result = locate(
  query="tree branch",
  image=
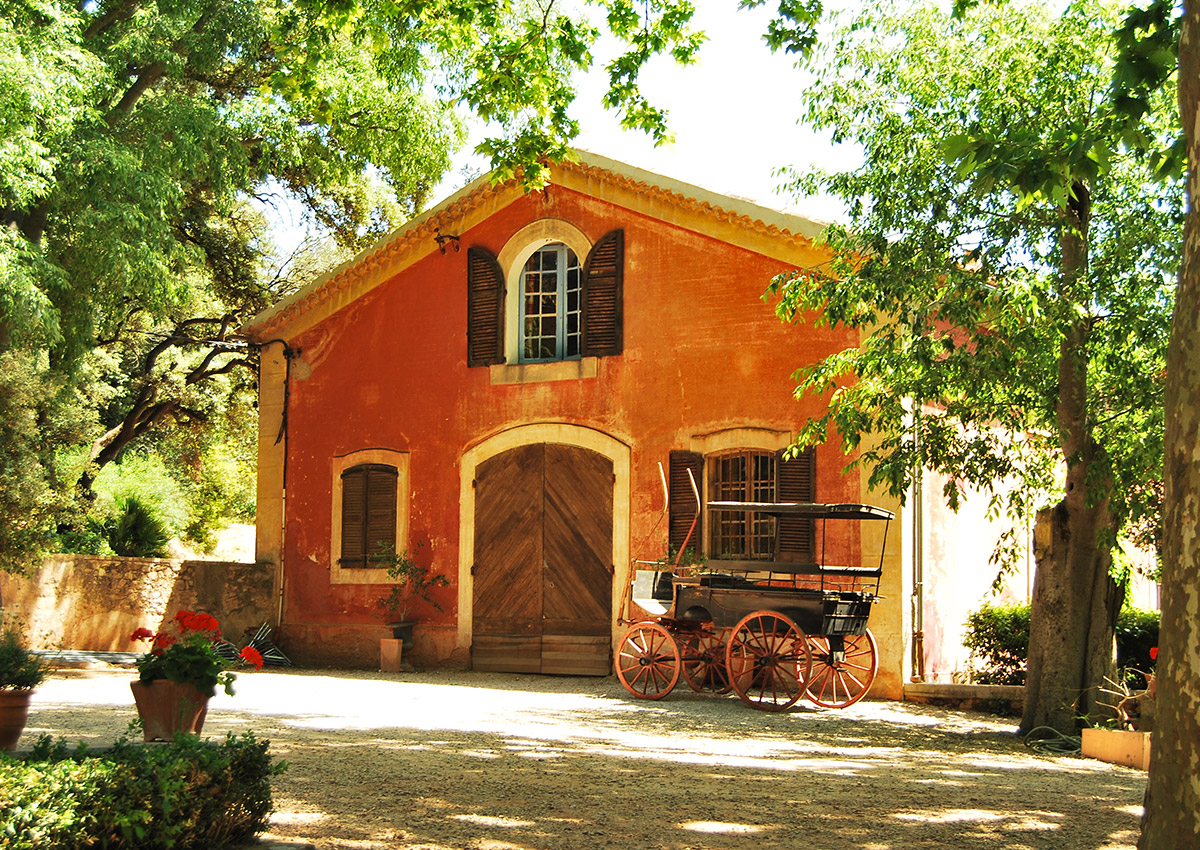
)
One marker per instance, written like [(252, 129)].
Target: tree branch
[(150, 75), (119, 12)]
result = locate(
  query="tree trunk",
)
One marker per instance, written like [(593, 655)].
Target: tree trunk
[(1172, 806), (1071, 619), (1075, 602)]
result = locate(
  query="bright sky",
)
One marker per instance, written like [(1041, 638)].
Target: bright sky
[(733, 114)]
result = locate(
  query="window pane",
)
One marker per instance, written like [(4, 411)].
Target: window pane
[(551, 307), (742, 477)]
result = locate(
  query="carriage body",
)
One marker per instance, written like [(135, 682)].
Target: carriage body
[(772, 631)]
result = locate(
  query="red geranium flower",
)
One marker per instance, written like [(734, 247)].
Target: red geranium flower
[(189, 656), (252, 657), (203, 623), (162, 641)]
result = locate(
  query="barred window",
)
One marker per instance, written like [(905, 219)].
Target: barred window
[(746, 476)]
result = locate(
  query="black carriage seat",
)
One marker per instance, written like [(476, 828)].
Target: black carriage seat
[(724, 580), (664, 586)]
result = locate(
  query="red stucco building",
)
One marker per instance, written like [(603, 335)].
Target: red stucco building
[(494, 387)]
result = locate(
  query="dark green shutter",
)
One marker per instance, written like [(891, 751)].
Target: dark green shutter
[(796, 481), (485, 308), (602, 308)]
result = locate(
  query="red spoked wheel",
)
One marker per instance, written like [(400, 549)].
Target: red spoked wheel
[(648, 661), (768, 660), (704, 662), (843, 668)]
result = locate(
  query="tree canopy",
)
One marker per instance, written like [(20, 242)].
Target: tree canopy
[(1010, 262), (135, 133)]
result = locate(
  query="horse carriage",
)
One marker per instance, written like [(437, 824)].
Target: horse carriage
[(771, 631)]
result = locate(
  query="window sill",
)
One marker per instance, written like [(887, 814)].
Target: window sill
[(534, 373), (349, 575)]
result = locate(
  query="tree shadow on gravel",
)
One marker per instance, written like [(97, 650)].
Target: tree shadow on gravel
[(499, 764), (418, 789)]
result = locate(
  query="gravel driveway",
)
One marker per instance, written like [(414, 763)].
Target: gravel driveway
[(451, 761)]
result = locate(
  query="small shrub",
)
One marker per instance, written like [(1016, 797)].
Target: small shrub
[(20, 669), (998, 637), (1137, 634), (137, 531), (190, 794), (412, 582)]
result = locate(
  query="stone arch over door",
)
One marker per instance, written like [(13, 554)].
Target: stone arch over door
[(543, 549)]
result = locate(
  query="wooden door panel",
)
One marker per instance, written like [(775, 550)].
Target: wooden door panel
[(543, 552), (574, 655), (508, 543), (506, 654), (577, 541)]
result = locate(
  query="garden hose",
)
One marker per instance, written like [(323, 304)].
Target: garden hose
[(1052, 742)]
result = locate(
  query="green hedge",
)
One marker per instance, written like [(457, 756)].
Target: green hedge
[(188, 794), (1137, 634), (998, 637)]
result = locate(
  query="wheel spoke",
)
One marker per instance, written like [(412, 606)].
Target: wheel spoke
[(648, 661), (768, 659), (704, 662), (836, 684)]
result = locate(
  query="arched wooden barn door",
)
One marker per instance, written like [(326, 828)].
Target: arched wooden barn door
[(543, 561)]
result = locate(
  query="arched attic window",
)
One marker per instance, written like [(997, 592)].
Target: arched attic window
[(565, 310)]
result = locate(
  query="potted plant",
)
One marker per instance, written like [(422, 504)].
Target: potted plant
[(180, 673), (20, 672), (410, 581)]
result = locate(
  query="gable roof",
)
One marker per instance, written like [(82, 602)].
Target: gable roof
[(737, 221)]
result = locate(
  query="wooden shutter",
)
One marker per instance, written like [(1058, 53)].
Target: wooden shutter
[(485, 308), (380, 509), (683, 501), (602, 310), (354, 503), (796, 481), (368, 512)]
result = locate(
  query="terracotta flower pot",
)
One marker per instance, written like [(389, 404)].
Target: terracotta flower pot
[(14, 712), (390, 651), (168, 707)]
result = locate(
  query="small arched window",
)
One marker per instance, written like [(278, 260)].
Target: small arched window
[(563, 310), (550, 307)]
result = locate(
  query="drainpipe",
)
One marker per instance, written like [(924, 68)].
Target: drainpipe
[(281, 437), (918, 595)]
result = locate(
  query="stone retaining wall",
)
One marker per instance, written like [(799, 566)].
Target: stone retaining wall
[(95, 603), (1007, 700)]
